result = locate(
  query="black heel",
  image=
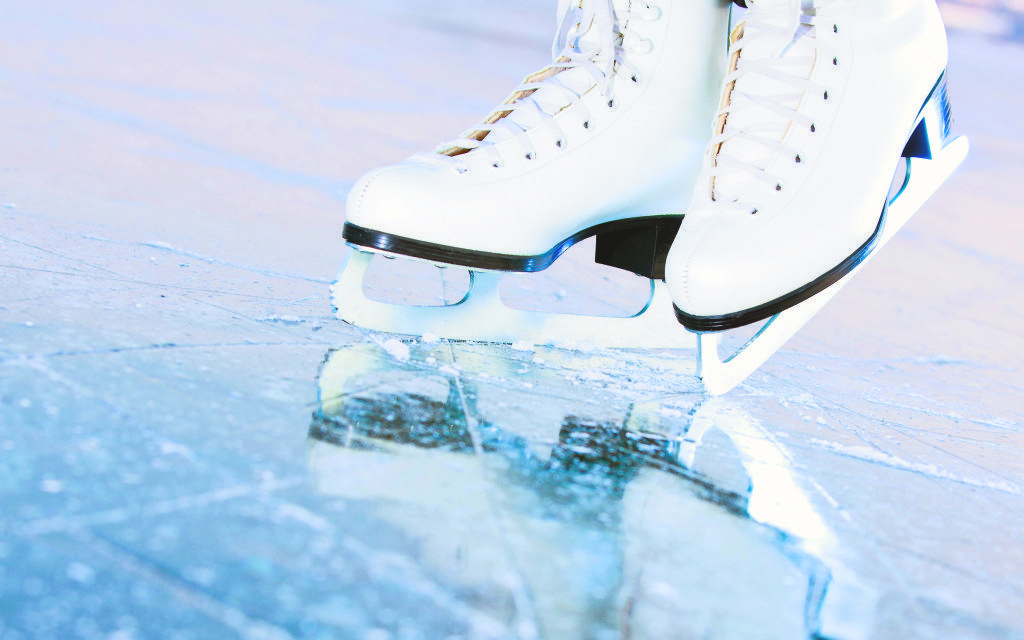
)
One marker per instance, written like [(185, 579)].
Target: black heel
[(934, 124), (640, 246)]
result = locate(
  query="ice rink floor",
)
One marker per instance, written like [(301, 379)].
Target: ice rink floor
[(192, 446)]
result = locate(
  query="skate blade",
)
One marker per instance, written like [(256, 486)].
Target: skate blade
[(481, 316), (719, 376)]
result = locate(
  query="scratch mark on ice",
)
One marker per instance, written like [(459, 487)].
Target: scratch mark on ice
[(163, 246), (235, 619), (868, 454), (64, 524)]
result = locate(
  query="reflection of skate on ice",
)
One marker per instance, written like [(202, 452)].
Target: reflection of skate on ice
[(595, 144), (564, 515), (822, 100)]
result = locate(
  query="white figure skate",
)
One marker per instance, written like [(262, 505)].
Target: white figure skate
[(822, 100), (598, 143)]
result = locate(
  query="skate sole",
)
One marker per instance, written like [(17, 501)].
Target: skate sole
[(638, 245), (931, 133)]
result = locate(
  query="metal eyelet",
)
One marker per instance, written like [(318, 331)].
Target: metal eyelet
[(835, 61), (778, 186), (652, 12), (560, 143), (814, 128), (498, 164), (798, 159), (611, 103), (586, 124), (643, 47), (530, 156), (825, 97)]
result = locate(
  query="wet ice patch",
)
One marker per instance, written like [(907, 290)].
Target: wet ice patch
[(81, 573), (175, 449), (200, 575), (51, 485), (777, 498)]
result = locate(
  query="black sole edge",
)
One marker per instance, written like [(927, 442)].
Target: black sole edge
[(363, 238), (705, 324)]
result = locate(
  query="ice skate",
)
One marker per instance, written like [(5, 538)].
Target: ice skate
[(595, 144), (825, 101)]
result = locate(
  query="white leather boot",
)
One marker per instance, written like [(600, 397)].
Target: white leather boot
[(602, 141), (822, 99)]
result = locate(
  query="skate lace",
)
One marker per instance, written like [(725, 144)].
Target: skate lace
[(591, 37), (753, 122)]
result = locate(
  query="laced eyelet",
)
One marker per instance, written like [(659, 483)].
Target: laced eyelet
[(560, 143), (814, 128), (530, 156), (825, 96), (753, 211), (798, 160), (835, 28), (778, 186), (835, 61), (586, 124), (611, 103), (498, 164), (635, 78)]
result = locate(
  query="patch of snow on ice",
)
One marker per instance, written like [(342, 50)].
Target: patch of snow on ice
[(397, 349), (158, 244), (805, 399), (173, 448), (305, 516)]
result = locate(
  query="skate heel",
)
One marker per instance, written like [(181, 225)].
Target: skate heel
[(934, 124), (640, 246)]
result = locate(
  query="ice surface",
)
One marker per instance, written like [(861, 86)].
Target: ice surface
[(192, 446)]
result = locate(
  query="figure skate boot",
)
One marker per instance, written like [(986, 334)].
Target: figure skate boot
[(822, 100), (595, 144)]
